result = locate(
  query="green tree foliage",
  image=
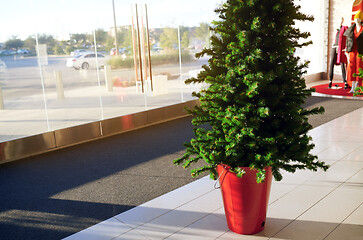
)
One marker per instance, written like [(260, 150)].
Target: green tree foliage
[(203, 33), (80, 39), (14, 42), (359, 90), (169, 38), (58, 50), (101, 36), (253, 105), (124, 37), (155, 35), (185, 36), (68, 49), (53, 46), (185, 40), (110, 43), (29, 43), (49, 41)]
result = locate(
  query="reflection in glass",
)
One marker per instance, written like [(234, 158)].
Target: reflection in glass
[(22, 103), (90, 62)]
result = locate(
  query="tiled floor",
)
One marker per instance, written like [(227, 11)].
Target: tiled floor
[(305, 205)]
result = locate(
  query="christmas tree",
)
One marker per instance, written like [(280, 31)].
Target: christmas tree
[(253, 103), (359, 90)]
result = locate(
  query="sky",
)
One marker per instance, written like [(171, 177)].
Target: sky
[(23, 18)]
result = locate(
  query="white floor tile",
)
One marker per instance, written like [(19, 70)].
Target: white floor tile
[(338, 173), (171, 222), (355, 180), (335, 136), (335, 207), (327, 134), (209, 227), (352, 145), (278, 190), (354, 138), (337, 152), (356, 218), (220, 213), (209, 202), (298, 177), (141, 215), (321, 145), (346, 232), (355, 155), (234, 236), (103, 231), (303, 230), (297, 201), (165, 203), (132, 235), (192, 190), (273, 226)]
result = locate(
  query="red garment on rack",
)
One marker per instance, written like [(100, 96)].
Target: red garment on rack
[(341, 57)]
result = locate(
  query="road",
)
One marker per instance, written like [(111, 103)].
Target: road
[(22, 75)]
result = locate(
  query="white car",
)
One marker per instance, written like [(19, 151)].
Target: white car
[(22, 51), (77, 52), (86, 60)]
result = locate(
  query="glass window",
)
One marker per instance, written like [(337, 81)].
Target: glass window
[(47, 82)]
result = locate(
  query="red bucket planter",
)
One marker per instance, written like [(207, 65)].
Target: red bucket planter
[(245, 201)]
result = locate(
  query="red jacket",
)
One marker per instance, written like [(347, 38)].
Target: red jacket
[(341, 57)]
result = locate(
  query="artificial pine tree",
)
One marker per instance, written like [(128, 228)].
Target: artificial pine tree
[(359, 90), (253, 103)]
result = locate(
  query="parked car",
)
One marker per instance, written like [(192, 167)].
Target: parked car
[(7, 52), (77, 52), (86, 60), (22, 51), (156, 50)]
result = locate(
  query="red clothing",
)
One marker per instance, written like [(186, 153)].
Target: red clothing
[(355, 62), (341, 58)]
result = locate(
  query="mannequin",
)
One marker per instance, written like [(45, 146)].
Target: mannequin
[(354, 45), (337, 56)]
